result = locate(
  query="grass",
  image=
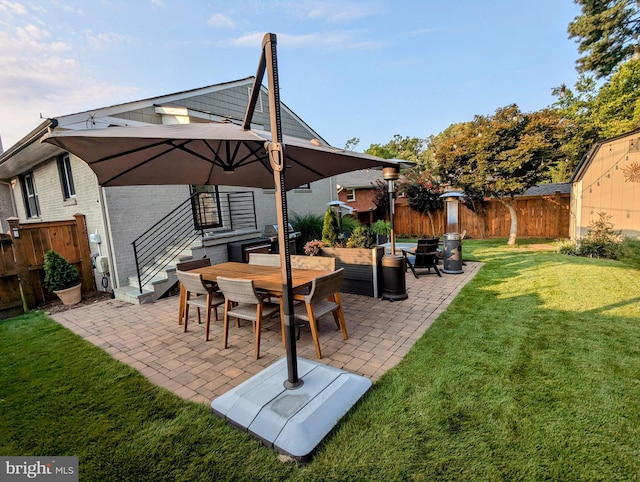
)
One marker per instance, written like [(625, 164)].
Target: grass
[(533, 372)]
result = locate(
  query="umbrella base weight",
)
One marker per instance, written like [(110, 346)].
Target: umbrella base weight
[(291, 421)]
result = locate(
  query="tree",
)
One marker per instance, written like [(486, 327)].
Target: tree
[(607, 32), (330, 228), (501, 155), (405, 148), (351, 144), (381, 198), (422, 190), (590, 115)]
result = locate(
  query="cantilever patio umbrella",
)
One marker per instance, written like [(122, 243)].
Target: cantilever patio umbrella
[(220, 154)]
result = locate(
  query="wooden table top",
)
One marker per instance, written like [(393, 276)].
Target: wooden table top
[(267, 278)]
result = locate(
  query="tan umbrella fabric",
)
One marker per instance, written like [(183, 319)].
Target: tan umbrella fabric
[(203, 154)]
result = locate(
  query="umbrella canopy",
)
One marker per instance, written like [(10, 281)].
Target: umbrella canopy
[(203, 154)]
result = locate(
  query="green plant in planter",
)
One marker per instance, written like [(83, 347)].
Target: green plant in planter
[(330, 228), (58, 273), (381, 228), (360, 238)]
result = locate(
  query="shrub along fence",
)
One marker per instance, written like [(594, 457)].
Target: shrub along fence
[(538, 217), (22, 260)]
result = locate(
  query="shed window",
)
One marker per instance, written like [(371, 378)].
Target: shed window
[(66, 177), (32, 207)]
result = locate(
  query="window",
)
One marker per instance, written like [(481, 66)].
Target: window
[(30, 195), (66, 177), (351, 194), (205, 205)]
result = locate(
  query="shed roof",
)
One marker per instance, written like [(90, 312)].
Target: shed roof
[(591, 154)]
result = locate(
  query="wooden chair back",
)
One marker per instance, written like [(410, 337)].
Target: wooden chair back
[(264, 259), (192, 282), (239, 290), (324, 286)]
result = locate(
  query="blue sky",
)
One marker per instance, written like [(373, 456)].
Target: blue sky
[(366, 69)]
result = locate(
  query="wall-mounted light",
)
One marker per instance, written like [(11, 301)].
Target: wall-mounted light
[(16, 232)]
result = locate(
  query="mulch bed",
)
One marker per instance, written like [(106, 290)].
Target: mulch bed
[(56, 306)]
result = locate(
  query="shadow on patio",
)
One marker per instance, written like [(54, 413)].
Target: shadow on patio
[(148, 337)]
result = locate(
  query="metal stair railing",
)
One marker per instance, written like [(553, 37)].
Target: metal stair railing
[(161, 244)]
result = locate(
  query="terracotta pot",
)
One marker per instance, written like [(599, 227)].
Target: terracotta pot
[(70, 296)]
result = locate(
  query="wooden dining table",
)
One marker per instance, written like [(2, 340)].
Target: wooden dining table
[(265, 278)]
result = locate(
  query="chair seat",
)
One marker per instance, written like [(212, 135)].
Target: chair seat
[(320, 308), (201, 300), (246, 311)]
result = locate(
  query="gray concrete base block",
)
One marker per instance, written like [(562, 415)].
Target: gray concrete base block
[(295, 421)]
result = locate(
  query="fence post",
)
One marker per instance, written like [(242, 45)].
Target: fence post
[(28, 296), (89, 281)]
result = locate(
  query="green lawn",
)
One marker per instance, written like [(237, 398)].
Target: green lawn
[(532, 373)]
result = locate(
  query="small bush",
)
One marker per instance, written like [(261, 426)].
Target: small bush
[(330, 229), (347, 225), (309, 225), (602, 241), (566, 246), (58, 273), (381, 228), (630, 252), (360, 238)]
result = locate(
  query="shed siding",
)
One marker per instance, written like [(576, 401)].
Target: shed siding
[(607, 187)]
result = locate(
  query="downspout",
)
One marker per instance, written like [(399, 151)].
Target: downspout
[(107, 235)]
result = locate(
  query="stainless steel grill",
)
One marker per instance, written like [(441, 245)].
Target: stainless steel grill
[(271, 232)]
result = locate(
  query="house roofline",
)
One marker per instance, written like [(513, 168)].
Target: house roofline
[(591, 153)]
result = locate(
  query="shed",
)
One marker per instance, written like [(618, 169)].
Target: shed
[(607, 180)]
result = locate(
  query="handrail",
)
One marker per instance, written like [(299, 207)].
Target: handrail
[(162, 243)]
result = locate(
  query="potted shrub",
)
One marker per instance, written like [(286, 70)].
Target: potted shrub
[(360, 258), (381, 229), (62, 278)]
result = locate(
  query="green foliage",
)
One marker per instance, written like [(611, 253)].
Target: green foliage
[(381, 197), (381, 228), (407, 148), (330, 228), (309, 225), (566, 246), (602, 241), (422, 190), (347, 225), (607, 33), (630, 253), (58, 273), (361, 238)]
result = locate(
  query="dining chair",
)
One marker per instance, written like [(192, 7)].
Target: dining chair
[(206, 297), (187, 266), (425, 257), (323, 298), (243, 302)]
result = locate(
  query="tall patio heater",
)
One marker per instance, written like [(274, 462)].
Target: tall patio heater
[(393, 265)]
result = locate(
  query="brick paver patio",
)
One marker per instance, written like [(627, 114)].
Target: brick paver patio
[(148, 337)]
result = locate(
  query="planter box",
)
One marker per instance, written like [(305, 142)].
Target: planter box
[(362, 271)]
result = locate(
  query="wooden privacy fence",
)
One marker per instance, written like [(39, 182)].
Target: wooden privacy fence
[(22, 260), (538, 217)]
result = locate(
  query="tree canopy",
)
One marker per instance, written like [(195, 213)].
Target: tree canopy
[(501, 155), (606, 32), (405, 148)]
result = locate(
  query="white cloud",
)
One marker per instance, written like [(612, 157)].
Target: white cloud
[(8, 8), (333, 11), (221, 21), (40, 76)]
